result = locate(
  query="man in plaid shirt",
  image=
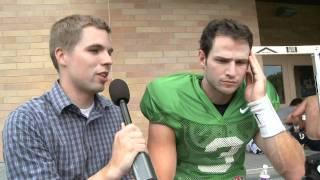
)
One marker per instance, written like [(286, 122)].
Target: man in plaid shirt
[(72, 132)]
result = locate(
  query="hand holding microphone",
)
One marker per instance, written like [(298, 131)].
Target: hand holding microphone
[(128, 142), (130, 136)]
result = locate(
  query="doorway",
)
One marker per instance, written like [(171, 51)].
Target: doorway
[(304, 79), (292, 76)]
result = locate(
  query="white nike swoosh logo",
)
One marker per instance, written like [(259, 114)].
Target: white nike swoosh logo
[(242, 111)]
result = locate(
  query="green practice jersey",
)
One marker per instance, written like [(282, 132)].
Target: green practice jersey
[(209, 145)]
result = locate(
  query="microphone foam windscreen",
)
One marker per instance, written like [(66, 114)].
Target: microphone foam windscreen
[(118, 90)]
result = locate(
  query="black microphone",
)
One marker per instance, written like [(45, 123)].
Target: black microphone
[(119, 93)]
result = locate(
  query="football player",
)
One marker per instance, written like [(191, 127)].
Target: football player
[(200, 124)]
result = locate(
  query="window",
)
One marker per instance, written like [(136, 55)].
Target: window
[(303, 76), (274, 75)]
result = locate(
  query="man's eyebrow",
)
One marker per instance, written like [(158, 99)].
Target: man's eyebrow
[(243, 59), (221, 57), (225, 58), (95, 46)]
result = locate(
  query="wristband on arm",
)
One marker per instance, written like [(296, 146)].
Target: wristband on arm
[(267, 119)]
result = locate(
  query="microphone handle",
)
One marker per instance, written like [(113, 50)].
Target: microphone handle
[(125, 112), (142, 166)]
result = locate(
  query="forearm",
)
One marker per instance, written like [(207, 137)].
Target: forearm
[(162, 150), (164, 165), (285, 153), (107, 173)]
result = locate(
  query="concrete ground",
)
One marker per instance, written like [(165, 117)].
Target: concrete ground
[(253, 164)]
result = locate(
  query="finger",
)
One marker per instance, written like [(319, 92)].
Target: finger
[(289, 119), (249, 77), (127, 128), (140, 148), (254, 63), (292, 119), (135, 142), (299, 110), (122, 125), (135, 134), (255, 66), (135, 145), (131, 128), (251, 64)]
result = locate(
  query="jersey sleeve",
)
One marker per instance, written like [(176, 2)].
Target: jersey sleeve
[(273, 96), (149, 107), (155, 106)]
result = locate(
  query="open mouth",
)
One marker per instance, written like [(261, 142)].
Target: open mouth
[(103, 76)]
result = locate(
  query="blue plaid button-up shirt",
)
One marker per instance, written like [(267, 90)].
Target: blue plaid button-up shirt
[(49, 138)]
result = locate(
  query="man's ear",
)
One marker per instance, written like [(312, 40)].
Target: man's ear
[(202, 58), (60, 56)]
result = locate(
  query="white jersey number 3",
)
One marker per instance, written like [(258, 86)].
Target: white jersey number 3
[(233, 142)]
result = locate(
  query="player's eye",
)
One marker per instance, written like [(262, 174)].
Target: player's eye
[(222, 61), (94, 50), (242, 62), (110, 51)]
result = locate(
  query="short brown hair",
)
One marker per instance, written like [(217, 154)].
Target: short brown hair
[(224, 27), (67, 32)]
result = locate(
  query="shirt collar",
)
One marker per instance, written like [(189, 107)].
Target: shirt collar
[(102, 101), (58, 97)]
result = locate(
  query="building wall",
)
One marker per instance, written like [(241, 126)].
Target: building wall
[(282, 29), (150, 37), (301, 28)]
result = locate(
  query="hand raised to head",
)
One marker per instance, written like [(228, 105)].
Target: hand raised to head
[(255, 79)]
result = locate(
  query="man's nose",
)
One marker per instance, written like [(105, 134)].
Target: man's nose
[(231, 69), (106, 58)]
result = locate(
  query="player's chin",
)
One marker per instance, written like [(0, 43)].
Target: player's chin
[(229, 90)]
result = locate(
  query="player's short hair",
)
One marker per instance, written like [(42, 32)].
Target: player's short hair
[(295, 101), (224, 27)]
